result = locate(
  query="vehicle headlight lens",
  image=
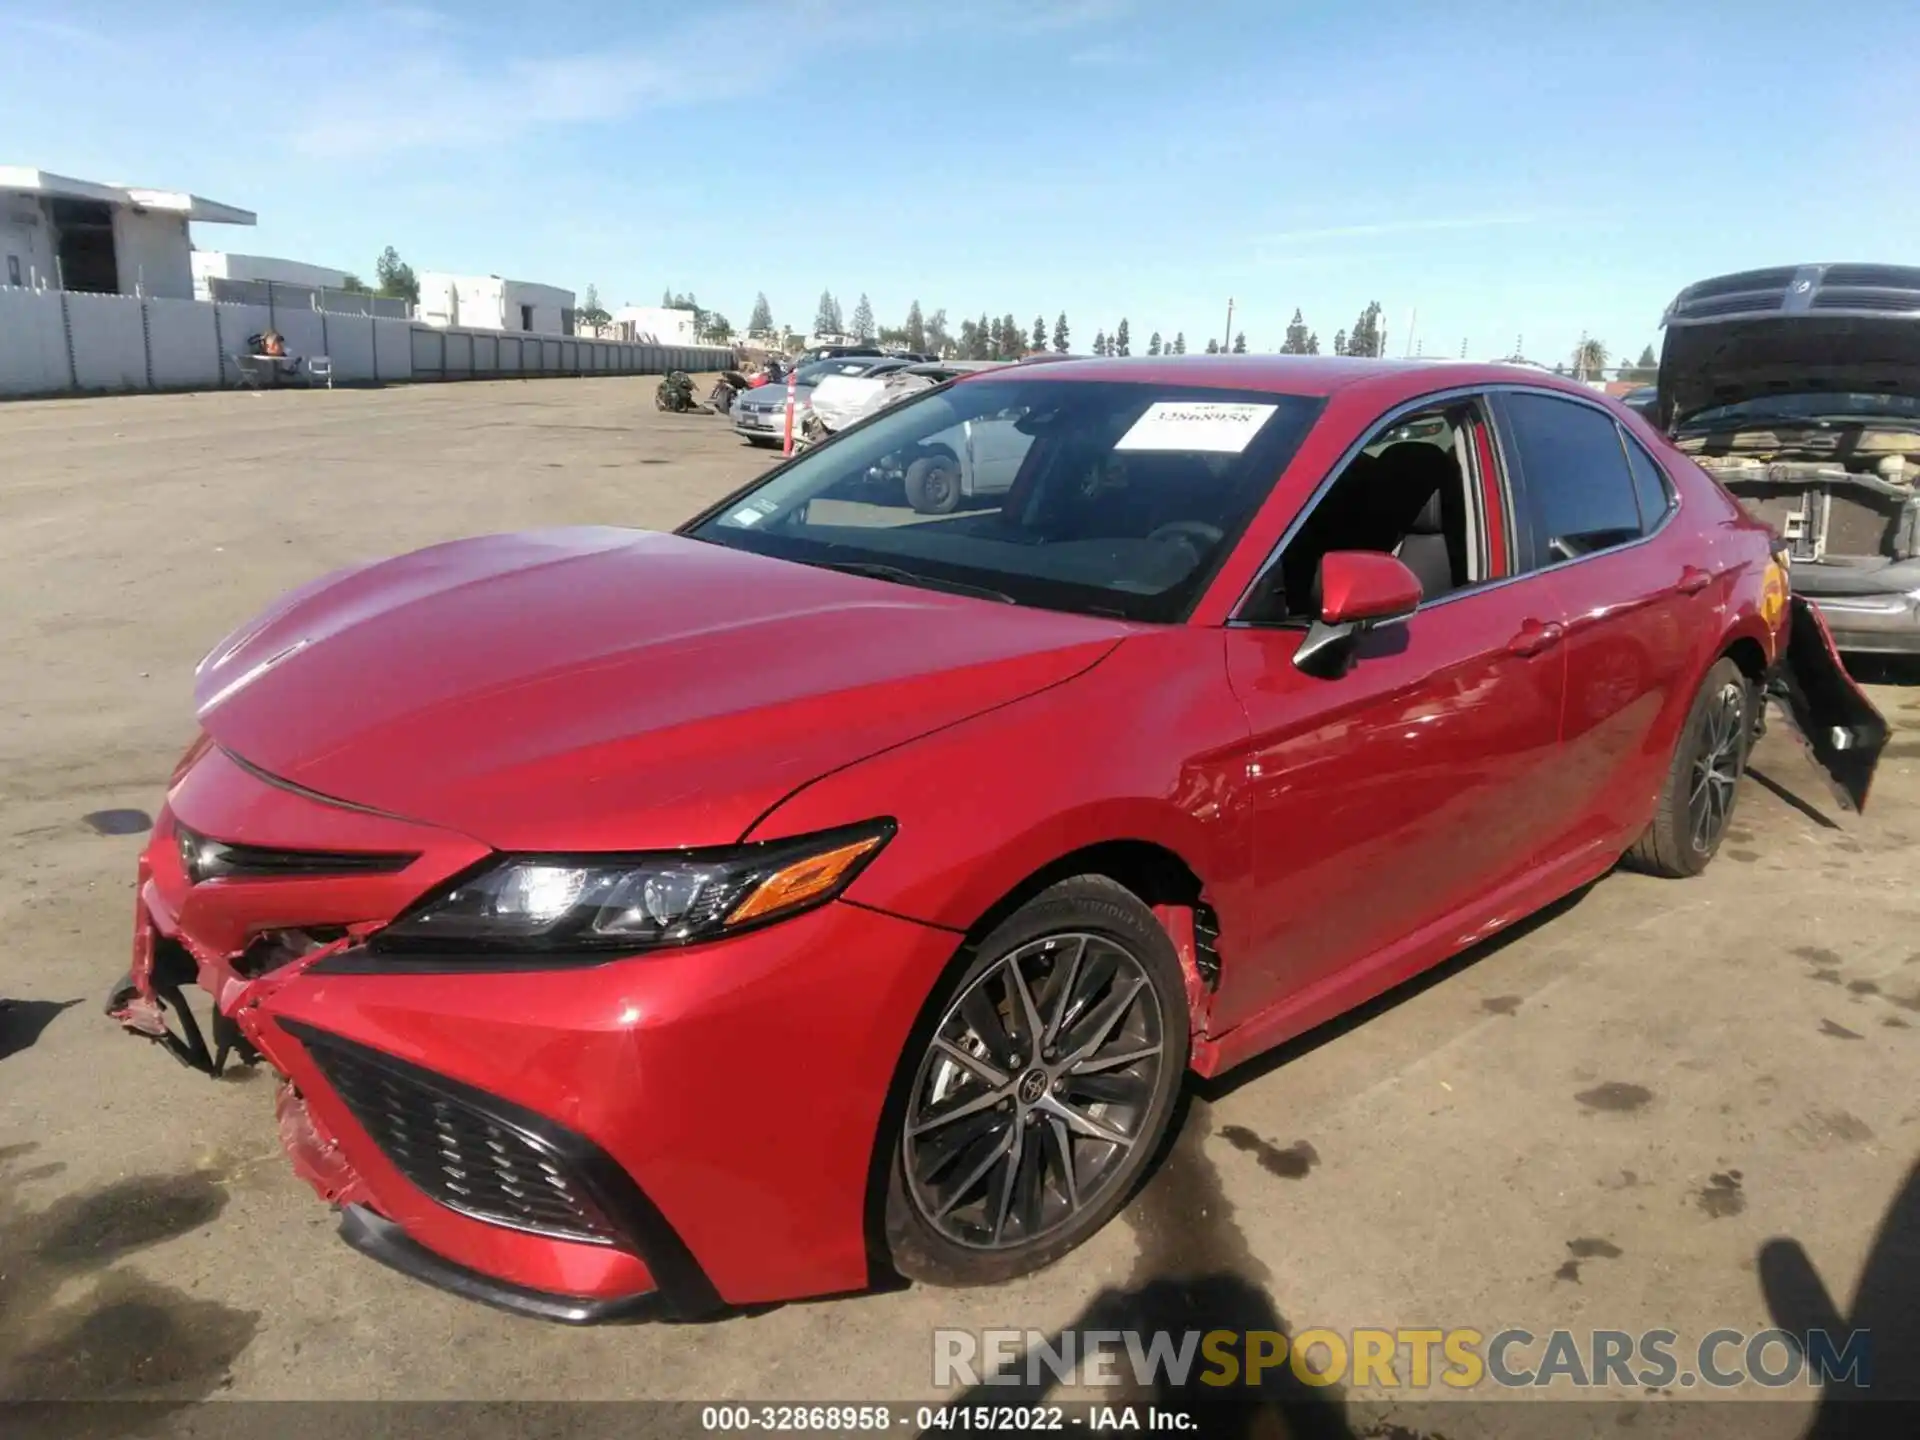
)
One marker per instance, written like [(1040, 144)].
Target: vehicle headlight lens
[(632, 902)]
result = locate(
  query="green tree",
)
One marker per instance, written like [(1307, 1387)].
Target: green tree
[(1313, 342), (1240, 344), (1339, 342), (355, 284), (719, 330), (1647, 360), (1365, 337), (916, 328), (938, 338), (1153, 343), (970, 344), (1589, 359), (1013, 338), (1213, 346), (760, 322), (863, 320), (666, 300), (996, 340), (1122, 339), (590, 311), (1100, 342), (1180, 343), (1060, 334), (1296, 341), (826, 317), (396, 277), (1039, 334)]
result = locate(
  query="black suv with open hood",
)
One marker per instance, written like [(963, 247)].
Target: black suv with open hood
[(1798, 388)]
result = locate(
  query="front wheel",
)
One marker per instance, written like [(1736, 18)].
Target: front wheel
[(1042, 1089), (1703, 780), (933, 485)]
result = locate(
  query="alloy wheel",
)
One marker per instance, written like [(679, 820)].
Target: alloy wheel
[(1034, 1090), (1716, 769)]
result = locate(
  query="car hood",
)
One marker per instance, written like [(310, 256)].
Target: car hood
[(774, 396), (604, 689), (1707, 364)]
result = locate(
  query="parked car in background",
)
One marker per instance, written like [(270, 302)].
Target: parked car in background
[(1643, 400), (840, 400), (1798, 388), (647, 922), (760, 415), (836, 352)]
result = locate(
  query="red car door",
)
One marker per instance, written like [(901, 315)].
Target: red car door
[(1389, 801), (1639, 598)]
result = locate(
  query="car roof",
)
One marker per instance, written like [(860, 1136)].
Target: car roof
[(1309, 375)]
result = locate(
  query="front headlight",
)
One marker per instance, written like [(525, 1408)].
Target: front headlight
[(633, 902)]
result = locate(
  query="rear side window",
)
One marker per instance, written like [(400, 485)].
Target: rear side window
[(1649, 485), (1579, 491)]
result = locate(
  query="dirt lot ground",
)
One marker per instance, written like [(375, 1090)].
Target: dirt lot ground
[(1601, 1120)]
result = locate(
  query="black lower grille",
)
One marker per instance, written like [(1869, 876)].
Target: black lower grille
[(467, 1150)]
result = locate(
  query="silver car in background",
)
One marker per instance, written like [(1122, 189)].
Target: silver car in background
[(760, 415)]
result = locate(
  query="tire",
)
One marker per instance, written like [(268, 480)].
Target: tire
[(933, 485), (1086, 941), (1717, 735)]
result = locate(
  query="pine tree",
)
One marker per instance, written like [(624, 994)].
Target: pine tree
[(1180, 343), (1122, 340), (826, 319), (1153, 343), (1365, 338), (1060, 334), (1013, 339), (1313, 342), (1100, 342), (1339, 342), (1240, 344), (666, 298), (916, 328), (863, 320), (1213, 346), (969, 345), (1296, 341), (1039, 334), (761, 321)]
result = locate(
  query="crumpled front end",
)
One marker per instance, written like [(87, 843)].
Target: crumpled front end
[(560, 1136)]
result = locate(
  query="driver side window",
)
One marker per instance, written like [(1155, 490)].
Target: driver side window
[(1410, 493)]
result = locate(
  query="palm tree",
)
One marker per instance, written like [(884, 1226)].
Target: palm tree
[(1589, 359)]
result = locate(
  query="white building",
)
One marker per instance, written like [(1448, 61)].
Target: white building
[(487, 302), (211, 265), (60, 233), (653, 325)]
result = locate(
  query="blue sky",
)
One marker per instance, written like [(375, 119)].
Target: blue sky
[(1531, 169)]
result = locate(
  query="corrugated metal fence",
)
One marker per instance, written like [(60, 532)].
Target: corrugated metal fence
[(56, 342)]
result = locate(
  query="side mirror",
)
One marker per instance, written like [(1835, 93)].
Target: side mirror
[(1359, 590)]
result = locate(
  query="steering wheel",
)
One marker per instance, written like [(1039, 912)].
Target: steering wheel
[(1189, 530)]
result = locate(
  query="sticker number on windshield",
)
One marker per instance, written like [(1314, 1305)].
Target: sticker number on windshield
[(1213, 426)]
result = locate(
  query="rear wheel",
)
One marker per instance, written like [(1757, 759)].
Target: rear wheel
[(1703, 781), (933, 485), (1042, 1089)]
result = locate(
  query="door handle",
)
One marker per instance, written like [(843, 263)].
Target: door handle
[(1693, 580), (1535, 637)]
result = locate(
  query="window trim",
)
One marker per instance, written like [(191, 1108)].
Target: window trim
[(1517, 487), (1628, 444), (1432, 400)]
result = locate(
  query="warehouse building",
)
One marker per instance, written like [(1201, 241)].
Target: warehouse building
[(58, 233)]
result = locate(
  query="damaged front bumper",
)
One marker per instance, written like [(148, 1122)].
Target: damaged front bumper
[(560, 1139), (1842, 730)]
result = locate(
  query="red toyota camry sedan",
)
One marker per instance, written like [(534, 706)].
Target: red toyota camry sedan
[(849, 879)]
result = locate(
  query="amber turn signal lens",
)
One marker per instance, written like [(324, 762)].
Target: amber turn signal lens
[(801, 881)]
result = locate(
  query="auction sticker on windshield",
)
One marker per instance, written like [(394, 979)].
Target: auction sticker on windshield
[(1218, 427)]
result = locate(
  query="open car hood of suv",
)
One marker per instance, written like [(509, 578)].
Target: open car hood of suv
[(1791, 331), (603, 689)]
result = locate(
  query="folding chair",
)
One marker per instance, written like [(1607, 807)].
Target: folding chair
[(320, 367)]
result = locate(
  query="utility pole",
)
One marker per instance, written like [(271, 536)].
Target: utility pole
[(1413, 328), (1226, 345)]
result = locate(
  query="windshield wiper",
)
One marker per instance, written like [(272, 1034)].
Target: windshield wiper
[(875, 571)]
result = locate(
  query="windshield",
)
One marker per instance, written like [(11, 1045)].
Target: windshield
[(1828, 405), (1098, 496)]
